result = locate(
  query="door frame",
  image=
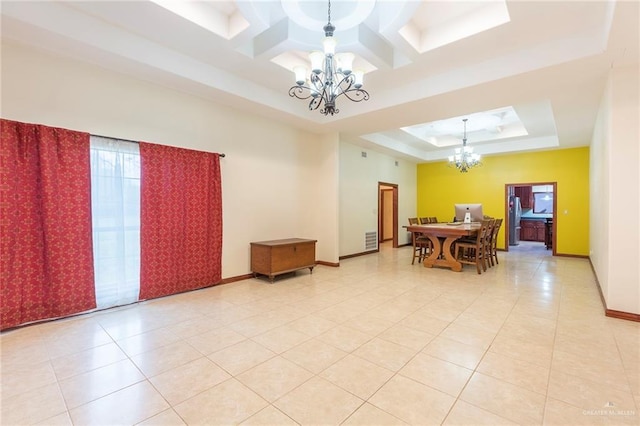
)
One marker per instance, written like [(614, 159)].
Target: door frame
[(507, 187), (394, 188)]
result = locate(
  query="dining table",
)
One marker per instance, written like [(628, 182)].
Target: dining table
[(442, 236)]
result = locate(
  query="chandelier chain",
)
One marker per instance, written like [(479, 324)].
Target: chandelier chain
[(464, 137)]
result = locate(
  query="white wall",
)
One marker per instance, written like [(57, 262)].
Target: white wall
[(599, 222), (359, 179), (320, 215), (615, 191), (277, 181)]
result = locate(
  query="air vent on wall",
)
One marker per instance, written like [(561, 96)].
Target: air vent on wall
[(371, 240)]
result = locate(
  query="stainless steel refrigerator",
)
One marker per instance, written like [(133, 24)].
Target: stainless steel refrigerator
[(515, 211)]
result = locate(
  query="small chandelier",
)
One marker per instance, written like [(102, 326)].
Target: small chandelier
[(331, 76), (464, 158)]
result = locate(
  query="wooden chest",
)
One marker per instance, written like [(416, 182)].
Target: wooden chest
[(277, 257)]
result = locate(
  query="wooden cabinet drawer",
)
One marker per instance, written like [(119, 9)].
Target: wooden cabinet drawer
[(540, 231), (526, 196), (292, 256), (532, 230)]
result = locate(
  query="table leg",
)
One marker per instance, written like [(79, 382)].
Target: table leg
[(441, 255), (448, 256), (435, 252)]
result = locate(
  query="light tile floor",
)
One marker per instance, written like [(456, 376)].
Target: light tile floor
[(377, 341)]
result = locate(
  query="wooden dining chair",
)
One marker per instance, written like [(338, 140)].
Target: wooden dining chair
[(472, 252), (488, 242), (548, 233), (427, 220), (494, 242), (421, 245)]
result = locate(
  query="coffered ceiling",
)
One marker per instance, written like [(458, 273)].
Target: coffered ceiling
[(528, 75)]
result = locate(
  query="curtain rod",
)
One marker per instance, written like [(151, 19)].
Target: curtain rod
[(221, 154)]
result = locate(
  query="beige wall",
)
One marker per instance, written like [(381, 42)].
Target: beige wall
[(278, 182), (615, 191), (359, 177)]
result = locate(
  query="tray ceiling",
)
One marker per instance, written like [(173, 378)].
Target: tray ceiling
[(529, 75)]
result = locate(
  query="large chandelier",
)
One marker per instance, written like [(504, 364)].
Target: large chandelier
[(464, 158), (331, 76)]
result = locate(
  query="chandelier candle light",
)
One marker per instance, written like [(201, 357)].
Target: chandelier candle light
[(331, 76), (464, 158)]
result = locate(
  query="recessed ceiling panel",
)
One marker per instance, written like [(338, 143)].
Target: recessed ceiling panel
[(436, 24), (221, 18), (314, 14), (480, 127)]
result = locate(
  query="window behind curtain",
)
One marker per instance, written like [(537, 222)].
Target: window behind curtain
[(115, 202), (67, 195)]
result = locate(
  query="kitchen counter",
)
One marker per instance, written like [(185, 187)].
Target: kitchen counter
[(536, 216)]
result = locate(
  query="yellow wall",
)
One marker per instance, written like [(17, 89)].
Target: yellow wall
[(440, 187)]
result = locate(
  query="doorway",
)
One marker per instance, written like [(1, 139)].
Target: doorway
[(388, 213), (534, 227)]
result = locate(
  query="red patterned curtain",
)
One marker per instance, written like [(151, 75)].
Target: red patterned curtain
[(181, 220), (46, 255)]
